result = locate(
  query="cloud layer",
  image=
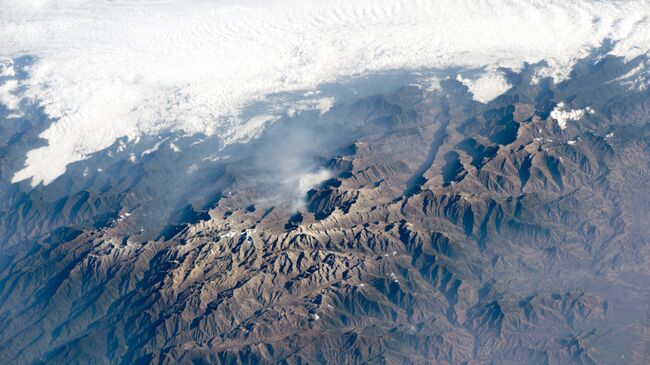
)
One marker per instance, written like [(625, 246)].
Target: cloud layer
[(107, 69)]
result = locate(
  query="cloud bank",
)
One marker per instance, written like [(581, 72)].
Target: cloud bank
[(107, 69)]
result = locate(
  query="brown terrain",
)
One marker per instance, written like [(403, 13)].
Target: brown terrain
[(451, 232)]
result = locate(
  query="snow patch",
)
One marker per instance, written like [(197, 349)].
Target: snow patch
[(153, 149), (174, 147), (229, 235)]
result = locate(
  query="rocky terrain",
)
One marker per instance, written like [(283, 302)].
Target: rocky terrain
[(448, 231)]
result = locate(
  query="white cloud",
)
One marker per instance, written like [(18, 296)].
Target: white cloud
[(636, 79), (323, 105), (309, 180), (298, 186), (487, 86), (431, 84), (8, 97), (7, 69), (562, 114), (248, 129), (109, 69)]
